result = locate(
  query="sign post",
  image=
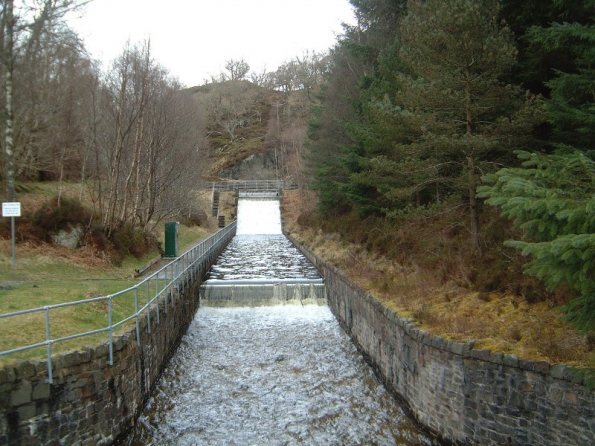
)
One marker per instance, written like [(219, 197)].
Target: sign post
[(12, 210)]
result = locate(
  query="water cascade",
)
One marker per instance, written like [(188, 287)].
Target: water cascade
[(261, 266), (259, 215), (269, 375)]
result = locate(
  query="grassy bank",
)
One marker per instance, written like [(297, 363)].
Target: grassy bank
[(48, 275)]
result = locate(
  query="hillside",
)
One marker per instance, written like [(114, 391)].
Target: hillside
[(238, 115)]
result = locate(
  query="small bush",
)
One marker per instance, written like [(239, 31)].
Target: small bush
[(129, 240), (51, 217)]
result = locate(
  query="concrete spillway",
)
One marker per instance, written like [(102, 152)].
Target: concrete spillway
[(261, 266), (258, 216)]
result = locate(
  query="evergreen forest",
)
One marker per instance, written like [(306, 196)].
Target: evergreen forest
[(458, 135)]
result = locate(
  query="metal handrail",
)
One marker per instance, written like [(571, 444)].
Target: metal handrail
[(258, 185), (165, 280)]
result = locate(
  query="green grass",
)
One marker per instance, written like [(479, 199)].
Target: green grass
[(45, 276)]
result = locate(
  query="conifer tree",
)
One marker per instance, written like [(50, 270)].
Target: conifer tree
[(572, 102), (341, 130), (553, 200), (553, 197), (458, 51)]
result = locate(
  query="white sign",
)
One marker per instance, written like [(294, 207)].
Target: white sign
[(11, 209)]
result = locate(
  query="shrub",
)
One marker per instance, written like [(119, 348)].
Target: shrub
[(51, 217), (129, 240)]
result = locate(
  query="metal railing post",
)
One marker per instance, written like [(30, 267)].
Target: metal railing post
[(136, 313), (111, 330), (164, 289), (148, 307), (48, 339)]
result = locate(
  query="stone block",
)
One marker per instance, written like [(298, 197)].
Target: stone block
[(437, 342), (21, 394), (482, 355), (424, 336), (539, 367), (511, 360), (102, 351), (25, 370), (497, 358), (11, 375), (27, 411), (41, 391), (70, 359), (461, 348), (562, 371), (41, 367), (84, 356)]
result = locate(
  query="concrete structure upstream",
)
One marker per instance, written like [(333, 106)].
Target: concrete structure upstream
[(267, 269)]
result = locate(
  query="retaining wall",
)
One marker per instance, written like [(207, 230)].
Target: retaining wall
[(90, 402), (462, 394)]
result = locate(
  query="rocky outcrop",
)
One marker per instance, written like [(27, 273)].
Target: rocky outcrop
[(260, 166), (69, 238)]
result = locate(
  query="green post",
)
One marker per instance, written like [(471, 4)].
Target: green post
[(171, 239)]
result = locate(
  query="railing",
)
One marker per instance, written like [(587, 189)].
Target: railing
[(254, 185), (161, 284)]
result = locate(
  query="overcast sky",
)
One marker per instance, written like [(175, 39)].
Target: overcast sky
[(194, 38)]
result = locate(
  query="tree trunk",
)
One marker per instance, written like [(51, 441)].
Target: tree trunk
[(473, 206), (471, 165), (9, 111)]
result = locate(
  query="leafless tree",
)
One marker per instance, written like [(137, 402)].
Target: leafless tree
[(238, 69), (30, 30), (230, 105), (264, 79), (150, 141)]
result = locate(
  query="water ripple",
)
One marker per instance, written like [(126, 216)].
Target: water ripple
[(282, 375)]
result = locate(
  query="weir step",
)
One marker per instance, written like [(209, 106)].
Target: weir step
[(262, 294)]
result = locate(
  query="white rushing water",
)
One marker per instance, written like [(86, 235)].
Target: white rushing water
[(262, 257), (284, 375), (276, 375), (259, 217)]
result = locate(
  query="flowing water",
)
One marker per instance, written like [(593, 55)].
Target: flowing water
[(260, 250), (277, 375), (284, 375), (262, 257)]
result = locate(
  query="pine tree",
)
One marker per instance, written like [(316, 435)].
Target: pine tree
[(571, 108), (458, 50), (553, 200), (342, 130)]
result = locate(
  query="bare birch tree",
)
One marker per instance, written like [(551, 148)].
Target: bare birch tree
[(27, 32), (149, 141)]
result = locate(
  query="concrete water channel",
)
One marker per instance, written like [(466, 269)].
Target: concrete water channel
[(265, 362)]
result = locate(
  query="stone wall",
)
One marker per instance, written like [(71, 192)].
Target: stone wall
[(90, 402), (463, 395)]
